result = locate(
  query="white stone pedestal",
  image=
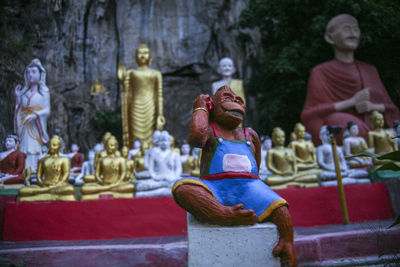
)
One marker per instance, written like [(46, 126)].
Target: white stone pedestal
[(212, 245)]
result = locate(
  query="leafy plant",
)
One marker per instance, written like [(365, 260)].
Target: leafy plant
[(292, 39), (108, 121), (393, 156)]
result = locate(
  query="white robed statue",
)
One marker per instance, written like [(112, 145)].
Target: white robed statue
[(32, 107)]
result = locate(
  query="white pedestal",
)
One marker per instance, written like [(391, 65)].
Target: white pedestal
[(212, 245)]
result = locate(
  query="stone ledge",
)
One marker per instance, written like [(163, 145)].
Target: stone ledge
[(212, 245)]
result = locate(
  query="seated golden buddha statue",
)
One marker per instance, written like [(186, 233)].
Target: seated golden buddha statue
[(303, 150), (281, 162), (380, 140), (97, 88), (188, 161), (98, 156), (110, 175), (52, 177), (130, 165)]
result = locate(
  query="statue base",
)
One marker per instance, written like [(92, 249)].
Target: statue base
[(46, 197), (106, 195), (213, 245)]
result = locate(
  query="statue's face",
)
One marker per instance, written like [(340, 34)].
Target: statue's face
[(165, 142), (267, 144), (112, 146), (185, 149), (324, 136), (137, 144), (378, 121), (143, 56), (125, 151), (155, 139), (33, 75), (10, 143), (55, 145), (354, 130), (300, 132), (226, 67), (279, 138), (346, 36), (228, 109), (105, 137), (74, 148), (91, 155)]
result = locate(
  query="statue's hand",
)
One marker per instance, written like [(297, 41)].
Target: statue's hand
[(361, 96), (17, 90), (285, 250), (160, 122), (121, 71), (29, 118), (201, 101), (364, 107)]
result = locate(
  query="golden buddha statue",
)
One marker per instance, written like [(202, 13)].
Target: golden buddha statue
[(303, 150), (142, 99), (97, 88), (281, 162), (188, 161), (52, 176), (110, 174), (130, 165), (381, 140)]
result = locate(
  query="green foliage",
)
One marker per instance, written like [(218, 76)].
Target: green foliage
[(108, 121), (292, 39)]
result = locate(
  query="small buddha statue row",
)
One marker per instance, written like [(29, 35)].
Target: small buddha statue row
[(112, 172), (302, 165), (113, 175)]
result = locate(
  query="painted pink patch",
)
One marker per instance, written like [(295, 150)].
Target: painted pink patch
[(236, 163)]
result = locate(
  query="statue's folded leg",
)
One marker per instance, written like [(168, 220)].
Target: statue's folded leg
[(278, 180), (62, 190), (203, 205), (93, 189), (123, 188), (306, 178), (32, 190)]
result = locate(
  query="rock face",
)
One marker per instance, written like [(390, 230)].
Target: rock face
[(79, 40)]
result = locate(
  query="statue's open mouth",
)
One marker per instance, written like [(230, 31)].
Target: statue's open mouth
[(236, 113)]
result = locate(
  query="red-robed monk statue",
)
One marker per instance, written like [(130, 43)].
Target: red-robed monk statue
[(12, 163), (345, 89), (229, 190)]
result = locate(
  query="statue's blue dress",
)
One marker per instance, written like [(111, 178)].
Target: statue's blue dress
[(232, 178)]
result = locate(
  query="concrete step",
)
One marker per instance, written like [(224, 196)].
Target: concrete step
[(368, 244)]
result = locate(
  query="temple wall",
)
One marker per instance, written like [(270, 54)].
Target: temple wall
[(78, 41)]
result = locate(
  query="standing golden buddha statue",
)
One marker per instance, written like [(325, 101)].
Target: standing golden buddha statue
[(52, 175), (142, 99)]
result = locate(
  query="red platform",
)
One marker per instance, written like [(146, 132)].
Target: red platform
[(153, 217)]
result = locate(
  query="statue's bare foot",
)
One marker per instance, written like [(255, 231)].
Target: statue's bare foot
[(285, 250), (236, 215)]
